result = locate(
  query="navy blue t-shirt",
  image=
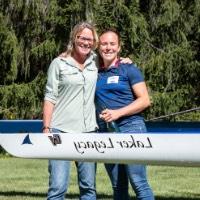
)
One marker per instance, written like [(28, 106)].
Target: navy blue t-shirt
[(114, 89)]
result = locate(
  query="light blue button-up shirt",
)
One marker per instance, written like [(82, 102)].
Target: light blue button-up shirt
[(72, 91)]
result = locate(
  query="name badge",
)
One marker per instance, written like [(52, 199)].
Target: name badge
[(113, 79)]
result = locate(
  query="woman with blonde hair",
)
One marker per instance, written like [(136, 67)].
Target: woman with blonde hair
[(69, 107)]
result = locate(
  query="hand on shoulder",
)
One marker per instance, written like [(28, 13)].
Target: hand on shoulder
[(126, 60)]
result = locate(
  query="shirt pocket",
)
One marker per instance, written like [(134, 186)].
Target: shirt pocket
[(91, 73), (70, 76), (92, 67), (68, 71)]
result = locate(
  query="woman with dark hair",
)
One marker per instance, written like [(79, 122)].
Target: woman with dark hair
[(121, 89)]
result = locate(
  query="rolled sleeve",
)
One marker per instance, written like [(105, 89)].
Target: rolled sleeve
[(51, 90)]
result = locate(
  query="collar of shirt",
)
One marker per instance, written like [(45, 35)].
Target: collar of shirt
[(70, 60), (116, 65)]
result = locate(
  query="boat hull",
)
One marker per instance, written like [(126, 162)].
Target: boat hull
[(181, 149)]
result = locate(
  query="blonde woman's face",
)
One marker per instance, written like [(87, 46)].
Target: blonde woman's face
[(84, 42)]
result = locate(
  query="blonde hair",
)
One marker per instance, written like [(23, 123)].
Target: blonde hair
[(77, 29)]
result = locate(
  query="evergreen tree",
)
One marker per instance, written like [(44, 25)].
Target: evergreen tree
[(162, 37)]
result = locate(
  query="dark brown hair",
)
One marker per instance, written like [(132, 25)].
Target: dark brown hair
[(113, 30)]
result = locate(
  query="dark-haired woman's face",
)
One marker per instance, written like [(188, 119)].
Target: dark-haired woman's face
[(109, 47), (84, 42)]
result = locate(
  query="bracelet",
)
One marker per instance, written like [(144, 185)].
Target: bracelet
[(45, 127)]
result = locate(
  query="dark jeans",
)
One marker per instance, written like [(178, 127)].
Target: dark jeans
[(120, 174)]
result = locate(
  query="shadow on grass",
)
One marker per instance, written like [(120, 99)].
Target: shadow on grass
[(176, 198), (76, 196)]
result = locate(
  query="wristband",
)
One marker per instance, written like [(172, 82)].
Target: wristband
[(45, 127)]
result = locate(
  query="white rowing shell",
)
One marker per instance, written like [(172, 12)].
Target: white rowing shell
[(153, 149)]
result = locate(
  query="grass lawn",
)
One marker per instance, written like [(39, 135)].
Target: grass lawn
[(23, 179)]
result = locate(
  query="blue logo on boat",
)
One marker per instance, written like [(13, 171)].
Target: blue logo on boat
[(27, 140)]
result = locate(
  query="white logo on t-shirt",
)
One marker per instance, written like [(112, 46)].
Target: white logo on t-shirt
[(113, 79)]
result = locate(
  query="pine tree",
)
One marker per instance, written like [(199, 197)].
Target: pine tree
[(162, 37)]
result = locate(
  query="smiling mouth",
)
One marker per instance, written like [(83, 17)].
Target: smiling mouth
[(108, 53), (85, 46)]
